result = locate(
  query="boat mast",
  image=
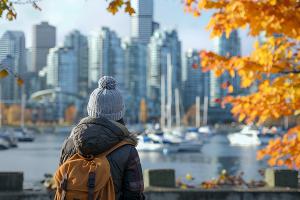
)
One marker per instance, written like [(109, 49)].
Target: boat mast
[(177, 107), (286, 122), (0, 105), (197, 111), (205, 110), (169, 97), (163, 102), (23, 99)]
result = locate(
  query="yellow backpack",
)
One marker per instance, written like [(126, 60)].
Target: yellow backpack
[(81, 178)]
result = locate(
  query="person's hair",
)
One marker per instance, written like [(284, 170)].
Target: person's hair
[(121, 121)]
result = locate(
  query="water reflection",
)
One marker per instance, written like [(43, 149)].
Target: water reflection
[(215, 156), (42, 156)]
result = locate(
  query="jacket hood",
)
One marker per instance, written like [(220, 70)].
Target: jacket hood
[(93, 136)]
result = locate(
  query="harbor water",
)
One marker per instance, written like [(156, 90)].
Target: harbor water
[(42, 156)]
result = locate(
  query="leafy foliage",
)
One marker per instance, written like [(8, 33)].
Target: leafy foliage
[(7, 9), (273, 67), (70, 114), (115, 5), (224, 180), (5, 71)]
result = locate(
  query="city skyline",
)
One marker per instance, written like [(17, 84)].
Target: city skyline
[(191, 30), (149, 57)]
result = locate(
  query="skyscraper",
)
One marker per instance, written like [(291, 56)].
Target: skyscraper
[(142, 20), (13, 43), (135, 63), (43, 38), (226, 47), (106, 57), (163, 44), (79, 43), (13, 58), (135, 60), (195, 82), (8, 85), (62, 69)]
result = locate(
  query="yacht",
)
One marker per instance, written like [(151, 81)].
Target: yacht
[(4, 144), (150, 144), (248, 136), (23, 135), (9, 137), (166, 142), (206, 130)]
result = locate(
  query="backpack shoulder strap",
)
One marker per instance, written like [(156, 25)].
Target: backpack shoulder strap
[(120, 144)]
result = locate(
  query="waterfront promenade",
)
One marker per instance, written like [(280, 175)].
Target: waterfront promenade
[(184, 194)]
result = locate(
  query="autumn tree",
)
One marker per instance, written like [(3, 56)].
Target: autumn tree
[(273, 65), (70, 114), (143, 111), (13, 114)]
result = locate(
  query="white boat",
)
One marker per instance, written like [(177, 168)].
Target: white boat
[(207, 130), (23, 135), (184, 143), (9, 137), (246, 137), (165, 142), (4, 144), (148, 144)]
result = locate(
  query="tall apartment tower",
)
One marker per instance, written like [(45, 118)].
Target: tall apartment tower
[(12, 57), (62, 69), (225, 47), (43, 38), (164, 45), (13, 43), (106, 57), (142, 20), (135, 64), (195, 81), (79, 43)]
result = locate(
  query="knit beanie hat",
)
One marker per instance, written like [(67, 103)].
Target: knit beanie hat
[(106, 100)]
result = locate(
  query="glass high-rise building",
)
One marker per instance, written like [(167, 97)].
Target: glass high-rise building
[(195, 82), (8, 85), (135, 63), (62, 69), (43, 38), (163, 44), (225, 47), (13, 43), (79, 43), (106, 57), (13, 58), (142, 20)]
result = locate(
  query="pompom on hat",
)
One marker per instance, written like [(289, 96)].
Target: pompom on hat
[(106, 100)]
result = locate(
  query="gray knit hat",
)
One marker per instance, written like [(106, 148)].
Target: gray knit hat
[(106, 100)]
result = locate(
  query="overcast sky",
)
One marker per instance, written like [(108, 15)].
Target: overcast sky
[(89, 15)]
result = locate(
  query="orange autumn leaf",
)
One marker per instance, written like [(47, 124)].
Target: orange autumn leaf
[(3, 73), (20, 81), (271, 70), (230, 89), (195, 66), (225, 85)]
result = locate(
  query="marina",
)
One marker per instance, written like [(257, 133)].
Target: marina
[(41, 156)]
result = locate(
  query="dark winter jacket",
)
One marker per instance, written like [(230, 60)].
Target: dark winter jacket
[(93, 136)]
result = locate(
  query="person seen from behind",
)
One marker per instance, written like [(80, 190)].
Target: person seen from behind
[(99, 159)]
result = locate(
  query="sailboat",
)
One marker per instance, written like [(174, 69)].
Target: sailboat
[(7, 140), (169, 138), (248, 136), (23, 134)]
